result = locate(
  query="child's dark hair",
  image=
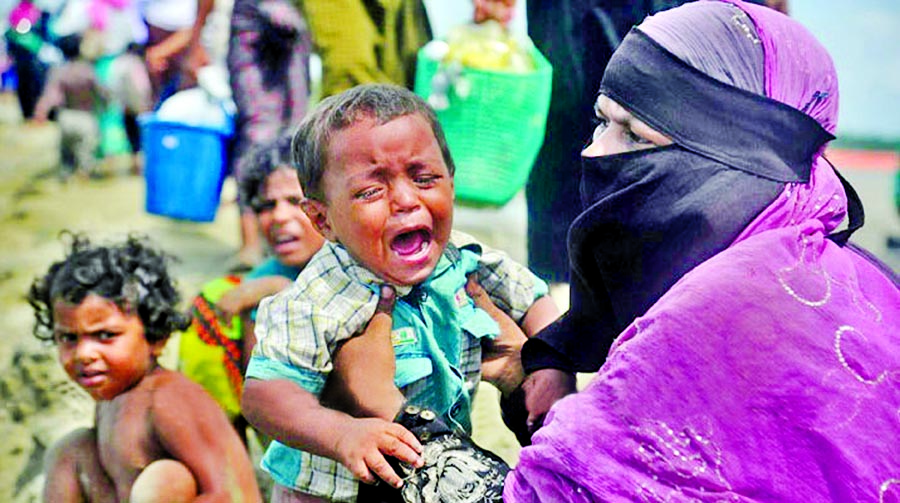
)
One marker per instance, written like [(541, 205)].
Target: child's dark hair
[(379, 102), (258, 164), (132, 274)]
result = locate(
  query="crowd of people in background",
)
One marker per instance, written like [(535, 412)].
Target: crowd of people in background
[(671, 269)]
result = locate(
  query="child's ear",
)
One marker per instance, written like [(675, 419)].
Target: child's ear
[(156, 347), (317, 212)]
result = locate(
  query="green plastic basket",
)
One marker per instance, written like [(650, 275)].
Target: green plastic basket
[(496, 131)]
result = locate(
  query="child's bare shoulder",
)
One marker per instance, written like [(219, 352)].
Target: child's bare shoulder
[(179, 402), (172, 385)]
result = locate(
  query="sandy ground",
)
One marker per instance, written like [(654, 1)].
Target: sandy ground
[(38, 404)]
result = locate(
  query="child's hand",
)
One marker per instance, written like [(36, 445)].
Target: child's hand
[(363, 447), (501, 361), (230, 305), (248, 294)]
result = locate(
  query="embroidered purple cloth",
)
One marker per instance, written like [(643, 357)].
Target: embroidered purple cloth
[(769, 372)]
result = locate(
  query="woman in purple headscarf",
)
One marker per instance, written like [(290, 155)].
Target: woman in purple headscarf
[(753, 353)]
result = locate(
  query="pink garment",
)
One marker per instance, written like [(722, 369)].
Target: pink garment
[(770, 372), (24, 11), (99, 11)]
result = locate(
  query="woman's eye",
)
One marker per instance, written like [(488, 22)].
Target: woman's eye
[(105, 336), (600, 125), (636, 138)]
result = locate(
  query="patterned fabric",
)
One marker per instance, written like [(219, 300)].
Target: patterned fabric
[(770, 371), (210, 351), (437, 333), (455, 469), (268, 58)]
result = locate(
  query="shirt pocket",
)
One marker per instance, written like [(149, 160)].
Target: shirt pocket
[(478, 323), (411, 367)]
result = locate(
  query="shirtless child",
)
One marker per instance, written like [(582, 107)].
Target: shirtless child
[(157, 437)]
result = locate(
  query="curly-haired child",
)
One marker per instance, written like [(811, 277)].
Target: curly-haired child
[(157, 435)]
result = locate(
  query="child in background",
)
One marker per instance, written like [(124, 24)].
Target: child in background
[(378, 176), (75, 91), (269, 183), (157, 436)]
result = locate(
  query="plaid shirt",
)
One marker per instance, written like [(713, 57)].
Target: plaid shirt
[(334, 298)]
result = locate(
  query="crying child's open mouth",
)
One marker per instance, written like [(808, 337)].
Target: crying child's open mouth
[(411, 243)]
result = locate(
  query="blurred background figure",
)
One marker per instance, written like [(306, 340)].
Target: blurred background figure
[(77, 97), (366, 41), (28, 45), (173, 53), (268, 64)]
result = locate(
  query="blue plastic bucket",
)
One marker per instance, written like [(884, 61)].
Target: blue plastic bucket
[(184, 167)]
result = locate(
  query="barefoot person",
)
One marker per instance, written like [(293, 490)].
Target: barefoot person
[(157, 437)]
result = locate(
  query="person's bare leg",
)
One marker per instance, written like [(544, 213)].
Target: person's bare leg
[(164, 481), (74, 473)]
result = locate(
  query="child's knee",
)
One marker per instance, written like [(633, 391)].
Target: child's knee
[(164, 480)]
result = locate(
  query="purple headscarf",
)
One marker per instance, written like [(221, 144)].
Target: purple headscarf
[(770, 371)]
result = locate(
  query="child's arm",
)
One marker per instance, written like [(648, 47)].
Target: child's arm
[(543, 312), (283, 410), (501, 362), (51, 97), (502, 357), (248, 293), (192, 428)]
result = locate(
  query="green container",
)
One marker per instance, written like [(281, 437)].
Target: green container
[(496, 131)]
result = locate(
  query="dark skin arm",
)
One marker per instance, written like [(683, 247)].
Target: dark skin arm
[(364, 366), (283, 410), (502, 363), (191, 427)]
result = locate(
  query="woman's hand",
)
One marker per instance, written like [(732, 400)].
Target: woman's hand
[(542, 389), (362, 383), (501, 360)]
